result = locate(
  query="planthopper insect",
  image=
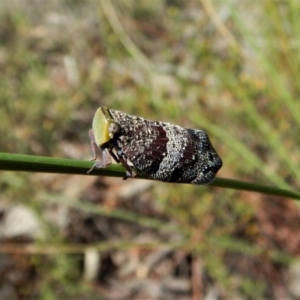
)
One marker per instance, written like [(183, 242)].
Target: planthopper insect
[(159, 150)]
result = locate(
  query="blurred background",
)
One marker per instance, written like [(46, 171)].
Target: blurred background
[(228, 67)]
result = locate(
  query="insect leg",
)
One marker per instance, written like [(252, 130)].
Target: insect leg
[(106, 160), (120, 159), (93, 143), (105, 154), (114, 156), (130, 172)]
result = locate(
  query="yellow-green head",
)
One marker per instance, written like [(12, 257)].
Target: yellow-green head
[(104, 126)]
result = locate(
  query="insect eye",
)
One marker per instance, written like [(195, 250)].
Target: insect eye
[(113, 128)]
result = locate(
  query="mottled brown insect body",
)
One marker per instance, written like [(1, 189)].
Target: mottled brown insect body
[(159, 150)]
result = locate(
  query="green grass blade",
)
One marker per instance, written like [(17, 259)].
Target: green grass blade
[(32, 163), (253, 187)]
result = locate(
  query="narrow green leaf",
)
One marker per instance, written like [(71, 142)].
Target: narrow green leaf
[(32, 163)]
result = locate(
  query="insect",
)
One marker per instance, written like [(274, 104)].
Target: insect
[(161, 151)]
